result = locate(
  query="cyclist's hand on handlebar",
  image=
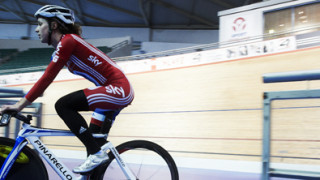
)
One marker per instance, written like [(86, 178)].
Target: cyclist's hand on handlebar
[(6, 112), (15, 107), (6, 108)]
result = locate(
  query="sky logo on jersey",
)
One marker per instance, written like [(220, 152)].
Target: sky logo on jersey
[(115, 90), (55, 58), (94, 60), (58, 48), (56, 53)]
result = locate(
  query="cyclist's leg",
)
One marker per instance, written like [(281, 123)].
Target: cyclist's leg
[(111, 97), (101, 122), (103, 100), (68, 108)]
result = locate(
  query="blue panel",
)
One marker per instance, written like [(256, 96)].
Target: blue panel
[(291, 76)]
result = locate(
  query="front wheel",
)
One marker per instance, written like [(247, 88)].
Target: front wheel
[(145, 159), (28, 164)]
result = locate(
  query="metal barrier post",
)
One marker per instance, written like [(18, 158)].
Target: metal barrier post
[(267, 171), (266, 136)]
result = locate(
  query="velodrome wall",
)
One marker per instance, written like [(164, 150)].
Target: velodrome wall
[(211, 110)]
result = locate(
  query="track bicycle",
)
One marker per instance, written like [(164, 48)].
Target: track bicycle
[(133, 160)]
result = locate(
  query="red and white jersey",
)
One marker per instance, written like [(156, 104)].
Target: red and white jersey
[(81, 58)]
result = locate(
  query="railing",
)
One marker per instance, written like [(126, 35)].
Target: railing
[(216, 45), (267, 171), (119, 45)]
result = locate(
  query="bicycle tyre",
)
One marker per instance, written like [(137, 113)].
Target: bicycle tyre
[(33, 169), (101, 173)]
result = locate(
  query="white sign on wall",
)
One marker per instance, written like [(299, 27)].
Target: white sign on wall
[(241, 26)]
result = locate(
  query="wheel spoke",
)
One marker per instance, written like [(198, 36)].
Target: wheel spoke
[(138, 174), (156, 172)]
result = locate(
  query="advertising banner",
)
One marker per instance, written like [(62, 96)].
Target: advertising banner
[(175, 61), (241, 26)]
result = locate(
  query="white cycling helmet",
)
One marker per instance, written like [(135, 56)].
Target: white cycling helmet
[(49, 11)]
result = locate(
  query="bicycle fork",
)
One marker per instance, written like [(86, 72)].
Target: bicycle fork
[(11, 158), (119, 160)]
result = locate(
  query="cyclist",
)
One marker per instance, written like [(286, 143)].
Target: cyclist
[(112, 91)]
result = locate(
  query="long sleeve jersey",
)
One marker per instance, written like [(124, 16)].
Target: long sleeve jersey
[(81, 58)]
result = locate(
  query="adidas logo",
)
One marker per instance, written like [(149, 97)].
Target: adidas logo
[(82, 129)]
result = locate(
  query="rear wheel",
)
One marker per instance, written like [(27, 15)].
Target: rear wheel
[(28, 164), (145, 159)]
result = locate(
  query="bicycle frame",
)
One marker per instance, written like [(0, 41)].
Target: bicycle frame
[(31, 134)]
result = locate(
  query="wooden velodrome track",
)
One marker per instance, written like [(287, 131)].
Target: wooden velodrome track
[(211, 111)]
